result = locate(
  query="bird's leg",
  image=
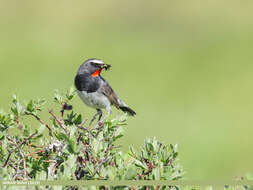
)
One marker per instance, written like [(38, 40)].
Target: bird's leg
[(109, 111), (99, 112), (101, 121)]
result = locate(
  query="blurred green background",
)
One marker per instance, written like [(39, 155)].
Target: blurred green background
[(184, 66)]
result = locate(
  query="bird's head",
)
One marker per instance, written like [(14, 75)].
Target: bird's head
[(94, 67)]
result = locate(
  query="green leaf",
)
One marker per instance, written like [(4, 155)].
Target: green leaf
[(70, 166), (95, 150), (14, 111), (132, 152), (156, 173), (61, 136), (131, 173), (41, 129), (14, 98), (58, 98), (71, 146), (96, 145), (90, 168), (78, 120), (138, 163), (42, 175), (1, 136), (70, 94), (29, 106)]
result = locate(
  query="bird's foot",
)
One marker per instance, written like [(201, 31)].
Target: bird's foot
[(93, 119), (99, 114), (101, 122)]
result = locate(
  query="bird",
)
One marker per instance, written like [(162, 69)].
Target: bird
[(95, 91)]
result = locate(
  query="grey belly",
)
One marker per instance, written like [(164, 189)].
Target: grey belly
[(94, 99)]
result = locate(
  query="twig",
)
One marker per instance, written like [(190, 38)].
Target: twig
[(48, 161), (8, 158), (11, 165), (22, 155), (31, 136), (17, 169), (24, 164), (83, 122), (42, 122), (9, 139), (106, 158), (62, 113), (83, 128), (36, 152), (26, 139), (58, 121), (101, 164), (18, 146), (36, 146)]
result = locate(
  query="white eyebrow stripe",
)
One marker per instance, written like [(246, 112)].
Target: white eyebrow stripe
[(97, 61)]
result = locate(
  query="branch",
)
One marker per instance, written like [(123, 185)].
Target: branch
[(18, 146), (8, 158), (17, 169), (24, 164), (58, 121), (36, 152), (42, 122)]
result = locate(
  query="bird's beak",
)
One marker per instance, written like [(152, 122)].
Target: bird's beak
[(106, 66)]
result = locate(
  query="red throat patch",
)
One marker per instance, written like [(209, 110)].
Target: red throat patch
[(96, 73)]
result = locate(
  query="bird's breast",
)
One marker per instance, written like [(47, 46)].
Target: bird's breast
[(84, 82), (94, 99)]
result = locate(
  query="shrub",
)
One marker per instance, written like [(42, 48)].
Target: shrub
[(63, 146)]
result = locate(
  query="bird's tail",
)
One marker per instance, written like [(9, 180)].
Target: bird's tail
[(127, 110)]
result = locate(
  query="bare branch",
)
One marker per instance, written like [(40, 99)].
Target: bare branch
[(61, 124), (7, 160), (42, 122)]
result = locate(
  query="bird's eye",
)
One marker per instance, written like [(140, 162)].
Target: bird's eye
[(94, 64)]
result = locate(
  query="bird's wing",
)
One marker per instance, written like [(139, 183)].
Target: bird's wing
[(107, 90)]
